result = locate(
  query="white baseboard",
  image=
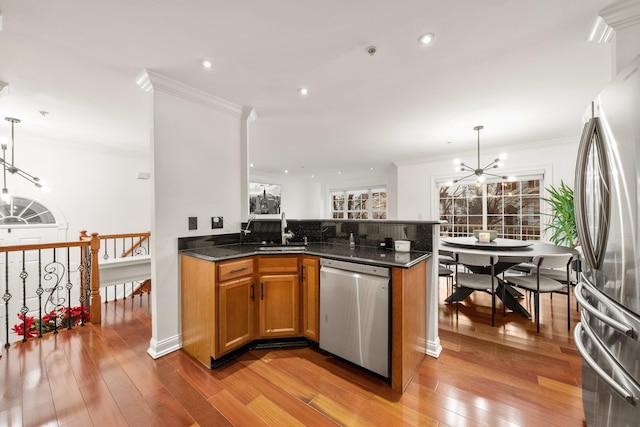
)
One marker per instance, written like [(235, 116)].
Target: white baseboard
[(158, 349), (434, 348)]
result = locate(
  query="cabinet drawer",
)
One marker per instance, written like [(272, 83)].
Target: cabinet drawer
[(235, 268), (278, 264)]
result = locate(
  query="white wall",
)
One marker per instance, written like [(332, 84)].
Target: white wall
[(196, 155), (309, 199), (299, 198), (416, 180), (92, 188)]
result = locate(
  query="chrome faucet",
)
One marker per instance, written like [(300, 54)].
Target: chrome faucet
[(246, 229), (283, 230)]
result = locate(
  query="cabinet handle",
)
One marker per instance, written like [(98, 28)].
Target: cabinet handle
[(252, 286), (302, 274), (262, 296), (238, 270)]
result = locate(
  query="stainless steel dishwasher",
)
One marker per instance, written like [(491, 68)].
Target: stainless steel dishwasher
[(354, 313)]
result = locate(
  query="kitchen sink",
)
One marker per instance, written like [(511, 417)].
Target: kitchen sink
[(282, 248)]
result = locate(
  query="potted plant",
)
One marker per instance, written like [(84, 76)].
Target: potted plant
[(562, 224)]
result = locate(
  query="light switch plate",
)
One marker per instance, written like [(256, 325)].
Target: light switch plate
[(217, 222)]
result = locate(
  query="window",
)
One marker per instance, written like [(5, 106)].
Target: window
[(511, 208), (370, 203), (24, 211)]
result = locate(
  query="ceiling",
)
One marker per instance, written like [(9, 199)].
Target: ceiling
[(524, 69)]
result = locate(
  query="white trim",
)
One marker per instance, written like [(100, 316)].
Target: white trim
[(622, 14), (545, 170), (181, 90), (158, 349), (116, 271), (434, 348)]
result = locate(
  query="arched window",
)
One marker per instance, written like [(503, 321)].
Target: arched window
[(21, 211)]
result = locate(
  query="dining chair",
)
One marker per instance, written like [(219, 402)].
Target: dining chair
[(560, 275), (448, 274), (482, 281), (538, 282)]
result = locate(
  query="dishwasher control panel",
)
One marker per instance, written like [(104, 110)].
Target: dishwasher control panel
[(355, 267)]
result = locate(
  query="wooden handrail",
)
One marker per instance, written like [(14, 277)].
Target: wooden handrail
[(142, 238), (145, 234), (36, 246)]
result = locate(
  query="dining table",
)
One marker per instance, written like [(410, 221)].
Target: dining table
[(510, 252)]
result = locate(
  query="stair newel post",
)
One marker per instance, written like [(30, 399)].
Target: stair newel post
[(96, 305)]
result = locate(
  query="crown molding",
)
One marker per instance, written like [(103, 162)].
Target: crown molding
[(4, 89), (249, 114), (618, 16), (151, 80)]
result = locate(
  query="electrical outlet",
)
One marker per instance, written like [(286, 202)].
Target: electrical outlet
[(216, 222), (193, 223)]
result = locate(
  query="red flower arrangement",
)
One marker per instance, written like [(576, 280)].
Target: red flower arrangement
[(58, 318)]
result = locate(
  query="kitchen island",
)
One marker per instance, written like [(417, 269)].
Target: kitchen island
[(238, 296)]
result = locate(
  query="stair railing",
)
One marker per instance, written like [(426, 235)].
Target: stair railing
[(125, 245), (45, 274)]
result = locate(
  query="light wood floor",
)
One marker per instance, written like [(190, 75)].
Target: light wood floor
[(102, 376)]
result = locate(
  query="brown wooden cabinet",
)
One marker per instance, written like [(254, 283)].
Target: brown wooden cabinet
[(279, 301), (198, 307), (311, 297), (235, 314), (227, 304)]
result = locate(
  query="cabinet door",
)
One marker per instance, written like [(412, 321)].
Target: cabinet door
[(279, 305), (235, 311), (310, 297)]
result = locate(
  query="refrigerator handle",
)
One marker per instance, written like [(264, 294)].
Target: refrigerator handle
[(624, 392), (615, 324)]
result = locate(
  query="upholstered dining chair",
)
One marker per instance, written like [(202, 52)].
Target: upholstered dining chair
[(484, 281), (547, 278)]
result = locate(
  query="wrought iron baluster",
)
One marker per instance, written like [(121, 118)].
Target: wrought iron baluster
[(6, 297), (106, 254), (83, 273), (69, 285), (24, 310), (88, 278), (39, 292)]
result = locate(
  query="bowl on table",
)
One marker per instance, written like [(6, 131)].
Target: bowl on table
[(485, 236)]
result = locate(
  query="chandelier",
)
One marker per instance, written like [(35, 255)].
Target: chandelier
[(11, 166), (481, 172)]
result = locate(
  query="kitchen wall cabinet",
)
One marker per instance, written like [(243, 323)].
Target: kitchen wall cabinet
[(311, 297), (279, 303)]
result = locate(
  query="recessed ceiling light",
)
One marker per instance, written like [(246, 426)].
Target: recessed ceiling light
[(207, 63), (303, 91), (426, 38), (250, 165), (286, 171)]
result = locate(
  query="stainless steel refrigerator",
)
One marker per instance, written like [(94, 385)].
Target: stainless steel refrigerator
[(607, 203)]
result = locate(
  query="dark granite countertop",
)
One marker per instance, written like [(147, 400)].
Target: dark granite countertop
[(359, 254)]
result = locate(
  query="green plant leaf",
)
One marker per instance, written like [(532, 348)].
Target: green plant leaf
[(562, 224)]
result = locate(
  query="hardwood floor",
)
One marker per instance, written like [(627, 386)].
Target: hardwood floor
[(102, 376)]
